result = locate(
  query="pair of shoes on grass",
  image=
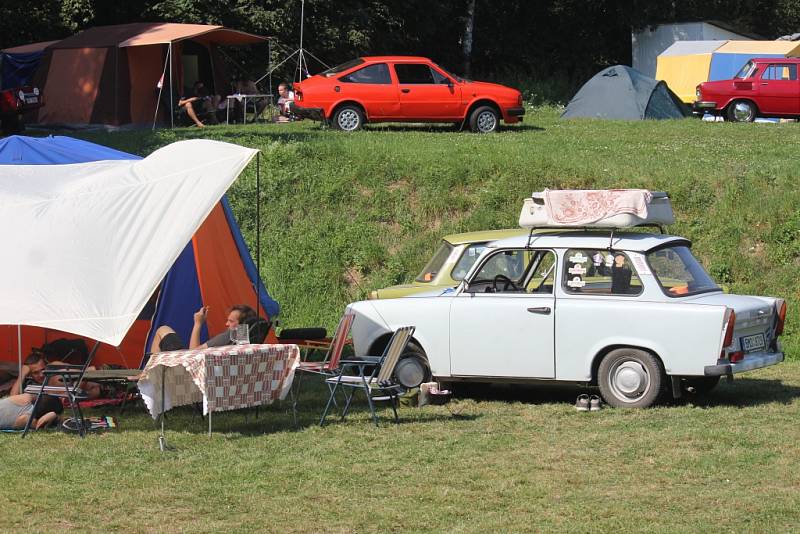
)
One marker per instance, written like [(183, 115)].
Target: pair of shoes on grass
[(586, 403)]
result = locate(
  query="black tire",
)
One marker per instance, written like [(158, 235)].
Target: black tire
[(484, 119), (303, 333), (742, 111), (412, 369), (699, 385), (630, 378), (348, 118)]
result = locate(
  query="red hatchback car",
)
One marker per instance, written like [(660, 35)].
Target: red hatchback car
[(763, 87), (404, 89)]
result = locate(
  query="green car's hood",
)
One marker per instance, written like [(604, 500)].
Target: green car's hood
[(405, 290)]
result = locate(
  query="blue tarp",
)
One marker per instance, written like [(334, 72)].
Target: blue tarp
[(54, 150), (724, 66), (18, 69), (180, 292)]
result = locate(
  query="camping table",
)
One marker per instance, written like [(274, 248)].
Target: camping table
[(223, 378), (243, 99)]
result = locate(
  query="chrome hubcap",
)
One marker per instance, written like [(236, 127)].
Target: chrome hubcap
[(348, 120), (487, 122), (742, 111), (629, 380), (409, 372)]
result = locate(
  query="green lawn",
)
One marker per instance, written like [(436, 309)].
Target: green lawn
[(513, 459), (343, 214)]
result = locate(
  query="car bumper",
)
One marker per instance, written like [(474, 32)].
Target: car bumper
[(315, 114), (754, 360), (515, 112), (703, 105)]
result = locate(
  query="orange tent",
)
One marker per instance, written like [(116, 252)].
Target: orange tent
[(110, 74)]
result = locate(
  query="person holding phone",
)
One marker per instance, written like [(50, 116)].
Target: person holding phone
[(167, 339)]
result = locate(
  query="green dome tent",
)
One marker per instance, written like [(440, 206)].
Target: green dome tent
[(620, 92)]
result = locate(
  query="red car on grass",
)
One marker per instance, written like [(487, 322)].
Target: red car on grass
[(404, 89), (763, 87)]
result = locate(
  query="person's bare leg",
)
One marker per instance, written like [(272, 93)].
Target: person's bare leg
[(193, 115), (160, 333), (45, 420)]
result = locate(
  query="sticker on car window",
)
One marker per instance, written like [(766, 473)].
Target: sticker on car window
[(576, 282), (577, 269), (609, 260), (641, 265), (578, 258)]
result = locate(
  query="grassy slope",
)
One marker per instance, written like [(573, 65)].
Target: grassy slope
[(342, 214)]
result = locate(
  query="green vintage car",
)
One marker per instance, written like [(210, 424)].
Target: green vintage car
[(449, 265)]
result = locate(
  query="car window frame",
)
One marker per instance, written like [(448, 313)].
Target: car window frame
[(565, 275), (780, 65), (524, 278), (661, 287)]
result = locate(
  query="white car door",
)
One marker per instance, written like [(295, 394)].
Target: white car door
[(502, 327)]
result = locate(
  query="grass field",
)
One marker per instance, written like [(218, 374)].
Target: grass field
[(512, 460), (343, 214)]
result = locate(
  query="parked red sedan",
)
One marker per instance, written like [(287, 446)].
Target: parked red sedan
[(404, 89), (763, 87)]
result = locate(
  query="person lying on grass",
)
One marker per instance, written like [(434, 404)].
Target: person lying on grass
[(166, 339), (16, 409)]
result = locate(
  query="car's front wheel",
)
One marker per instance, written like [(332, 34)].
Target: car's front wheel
[(741, 111), (412, 369), (484, 119), (348, 118), (630, 378)]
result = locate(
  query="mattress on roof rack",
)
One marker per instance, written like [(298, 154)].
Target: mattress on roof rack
[(606, 208)]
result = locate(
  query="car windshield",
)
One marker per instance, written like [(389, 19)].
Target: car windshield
[(679, 273), (343, 67), (746, 71), (459, 79), (435, 265), (467, 260)]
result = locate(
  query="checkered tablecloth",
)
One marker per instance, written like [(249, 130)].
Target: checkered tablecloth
[(222, 378)]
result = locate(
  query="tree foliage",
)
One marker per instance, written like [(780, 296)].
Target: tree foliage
[(537, 39)]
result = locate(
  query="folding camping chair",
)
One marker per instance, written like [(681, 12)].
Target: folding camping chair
[(378, 385), (71, 376), (329, 364)]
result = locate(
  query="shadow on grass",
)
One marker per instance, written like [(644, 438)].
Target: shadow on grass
[(444, 128), (746, 392), (743, 392)]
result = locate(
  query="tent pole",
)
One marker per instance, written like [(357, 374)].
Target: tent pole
[(160, 91), (19, 350), (269, 69), (171, 94), (258, 232)]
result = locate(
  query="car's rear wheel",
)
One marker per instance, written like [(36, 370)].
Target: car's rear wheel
[(412, 369), (630, 378), (742, 111), (348, 118), (484, 119)]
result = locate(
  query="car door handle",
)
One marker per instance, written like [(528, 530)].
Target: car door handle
[(544, 310), (764, 83), (405, 90)]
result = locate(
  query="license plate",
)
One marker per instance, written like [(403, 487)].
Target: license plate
[(753, 343), (31, 100)]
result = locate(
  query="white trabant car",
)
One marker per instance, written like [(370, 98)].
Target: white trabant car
[(634, 313)]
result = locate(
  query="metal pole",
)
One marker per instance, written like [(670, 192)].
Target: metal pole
[(302, 23), (19, 351), (171, 93), (269, 67), (258, 233)]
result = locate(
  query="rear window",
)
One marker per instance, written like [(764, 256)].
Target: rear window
[(679, 273), (376, 74), (343, 67)]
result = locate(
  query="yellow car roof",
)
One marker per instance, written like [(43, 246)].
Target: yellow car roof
[(484, 235)]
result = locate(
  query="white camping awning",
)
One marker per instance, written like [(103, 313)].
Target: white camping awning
[(85, 245)]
